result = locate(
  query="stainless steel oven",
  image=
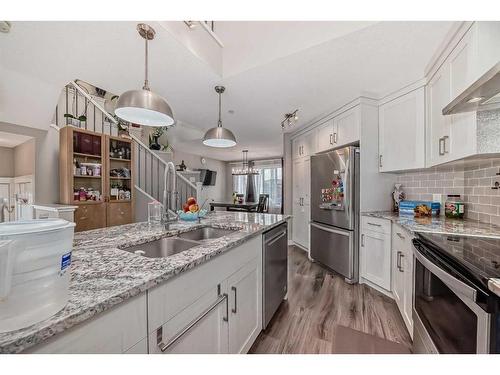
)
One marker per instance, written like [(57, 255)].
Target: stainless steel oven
[(453, 310)]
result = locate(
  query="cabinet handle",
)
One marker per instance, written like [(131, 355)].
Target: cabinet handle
[(441, 141), (159, 332), (374, 225), (331, 139), (444, 144), (363, 240), (398, 261), (400, 235), (234, 309), (335, 137), (380, 161)]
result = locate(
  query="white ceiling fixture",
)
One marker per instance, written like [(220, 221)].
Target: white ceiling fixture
[(219, 137), (144, 107), (245, 169)]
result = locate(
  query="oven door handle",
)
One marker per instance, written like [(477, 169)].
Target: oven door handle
[(454, 284)]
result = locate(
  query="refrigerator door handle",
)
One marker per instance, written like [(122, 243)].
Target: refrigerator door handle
[(346, 187), (331, 230)]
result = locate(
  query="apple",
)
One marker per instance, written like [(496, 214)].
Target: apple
[(194, 208), (191, 201), (185, 208)]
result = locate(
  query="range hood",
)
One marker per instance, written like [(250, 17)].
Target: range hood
[(482, 94)]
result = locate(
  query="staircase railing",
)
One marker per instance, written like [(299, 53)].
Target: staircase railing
[(149, 167)]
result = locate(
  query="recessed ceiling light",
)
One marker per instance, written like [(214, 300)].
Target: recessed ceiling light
[(475, 99)]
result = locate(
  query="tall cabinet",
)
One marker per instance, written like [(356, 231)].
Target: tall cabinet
[(95, 174)]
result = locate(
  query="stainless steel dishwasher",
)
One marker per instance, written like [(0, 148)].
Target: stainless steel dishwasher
[(275, 270)]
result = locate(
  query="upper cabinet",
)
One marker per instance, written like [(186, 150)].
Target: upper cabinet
[(402, 132), (324, 136), (346, 127), (304, 145), (454, 137)]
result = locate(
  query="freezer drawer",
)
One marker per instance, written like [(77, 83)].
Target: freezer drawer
[(334, 248)]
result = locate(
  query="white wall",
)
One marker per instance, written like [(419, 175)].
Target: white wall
[(7, 162), (193, 162), (46, 160), (24, 159)]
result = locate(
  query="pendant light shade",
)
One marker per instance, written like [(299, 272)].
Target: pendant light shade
[(219, 137), (144, 107)]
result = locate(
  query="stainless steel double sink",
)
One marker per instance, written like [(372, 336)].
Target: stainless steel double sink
[(167, 246)]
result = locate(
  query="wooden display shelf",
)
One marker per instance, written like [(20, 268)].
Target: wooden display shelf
[(88, 202), (83, 176), (120, 200), (119, 178), (87, 155), (120, 159)]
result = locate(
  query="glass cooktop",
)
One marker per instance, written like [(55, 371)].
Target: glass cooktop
[(480, 255)]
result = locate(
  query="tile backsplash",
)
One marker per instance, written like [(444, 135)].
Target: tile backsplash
[(472, 179)]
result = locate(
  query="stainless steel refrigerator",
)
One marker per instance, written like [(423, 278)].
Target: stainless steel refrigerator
[(335, 211)]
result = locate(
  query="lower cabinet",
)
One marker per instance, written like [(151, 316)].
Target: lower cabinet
[(121, 329), (119, 213), (375, 253), (245, 307), (214, 308), (90, 216), (402, 273)]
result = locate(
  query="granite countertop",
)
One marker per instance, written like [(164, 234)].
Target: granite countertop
[(103, 276), (440, 225)]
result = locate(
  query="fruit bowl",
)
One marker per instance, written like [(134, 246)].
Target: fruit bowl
[(191, 216)]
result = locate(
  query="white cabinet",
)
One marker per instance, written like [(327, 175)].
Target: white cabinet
[(245, 307), (214, 308), (324, 136), (200, 328), (402, 273), (304, 145), (346, 127), (438, 96), (301, 178), (118, 330), (375, 253), (454, 137), (402, 132)]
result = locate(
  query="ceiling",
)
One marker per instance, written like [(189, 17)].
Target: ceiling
[(12, 140), (269, 68)]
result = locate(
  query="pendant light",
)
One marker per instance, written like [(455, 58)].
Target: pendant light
[(219, 136), (144, 107), (246, 169)]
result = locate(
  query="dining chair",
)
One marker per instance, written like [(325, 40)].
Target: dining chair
[(263, 206)]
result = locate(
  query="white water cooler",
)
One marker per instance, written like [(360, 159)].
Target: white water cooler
[(35, 257)]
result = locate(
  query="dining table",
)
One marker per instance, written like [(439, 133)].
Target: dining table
[(230, 206)]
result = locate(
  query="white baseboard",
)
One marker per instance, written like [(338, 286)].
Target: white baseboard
[(376, 287)]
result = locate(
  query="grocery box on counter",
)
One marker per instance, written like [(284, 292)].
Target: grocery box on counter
[(419, 208)]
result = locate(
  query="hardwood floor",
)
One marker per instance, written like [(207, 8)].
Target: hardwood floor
[(318, 300)]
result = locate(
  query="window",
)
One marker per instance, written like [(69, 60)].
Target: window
[(268, 181)]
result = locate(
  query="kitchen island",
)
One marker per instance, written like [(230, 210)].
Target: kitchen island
[(103, 276)]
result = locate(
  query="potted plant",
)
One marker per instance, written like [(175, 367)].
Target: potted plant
[(154, 138), (75, 121)]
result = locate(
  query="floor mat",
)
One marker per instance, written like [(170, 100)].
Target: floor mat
[(351, 341)]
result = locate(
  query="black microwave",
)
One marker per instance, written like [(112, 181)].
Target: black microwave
[(208, 177)]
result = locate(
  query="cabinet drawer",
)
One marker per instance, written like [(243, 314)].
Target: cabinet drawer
[(119, 213), (401, 238), (90, 216), (377, 225), (170, 298)]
